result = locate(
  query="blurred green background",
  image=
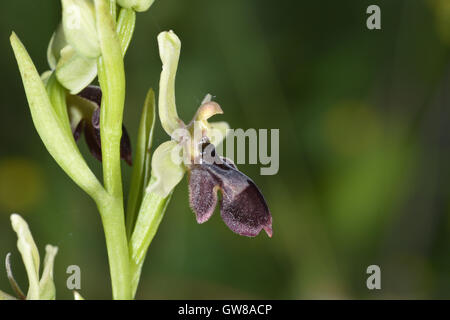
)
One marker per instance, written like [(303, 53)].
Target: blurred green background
[(364, 150)]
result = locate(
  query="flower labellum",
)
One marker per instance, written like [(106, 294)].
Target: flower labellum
[(242, 206), (91, 127)]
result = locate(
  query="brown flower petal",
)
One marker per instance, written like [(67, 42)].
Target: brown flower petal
[(78, 130), (125, 147), (243, 207), (92, 137)]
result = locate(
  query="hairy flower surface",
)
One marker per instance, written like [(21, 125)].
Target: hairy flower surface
[(242, 206)]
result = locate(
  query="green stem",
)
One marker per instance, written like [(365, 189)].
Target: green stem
[(112, 215), (111, 75)]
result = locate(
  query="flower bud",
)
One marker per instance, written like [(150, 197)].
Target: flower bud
[(136, 5), (80, 29)]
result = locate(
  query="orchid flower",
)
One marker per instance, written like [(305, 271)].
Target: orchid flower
[(242, 206)]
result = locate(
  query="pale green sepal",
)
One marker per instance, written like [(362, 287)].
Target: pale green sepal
[(57, 43), (46, 284), (167, 168), (169, 51), (80, 29), (30, 254), (74, 71)]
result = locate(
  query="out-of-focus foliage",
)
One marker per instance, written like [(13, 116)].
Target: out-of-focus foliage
[(364, 149)]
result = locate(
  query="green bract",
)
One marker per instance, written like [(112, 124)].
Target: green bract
[(50, 127)]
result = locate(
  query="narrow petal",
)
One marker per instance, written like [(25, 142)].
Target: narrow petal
[(95, 120), (207, 110), (78, 130), (202, 193), (92, 137), (12, 281)]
